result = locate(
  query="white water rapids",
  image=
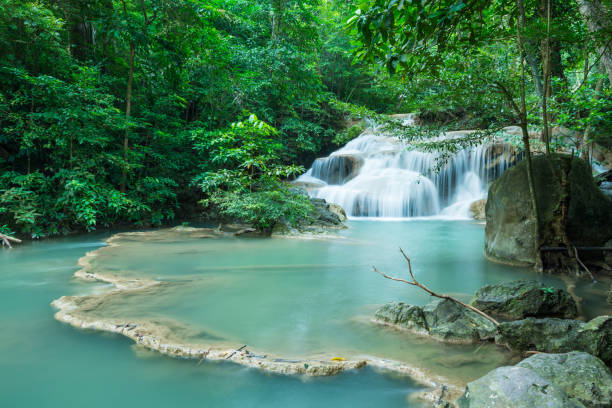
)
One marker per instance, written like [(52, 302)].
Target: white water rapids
[(375, 175)]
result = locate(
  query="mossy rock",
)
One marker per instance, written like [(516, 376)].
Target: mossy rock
[(583, 377), (509, 233), (403, 315), (559, 336), (515, 387), (546, 380), (520, 299), (441, 318)]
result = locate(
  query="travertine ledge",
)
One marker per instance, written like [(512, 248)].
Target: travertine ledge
[(160, 336)]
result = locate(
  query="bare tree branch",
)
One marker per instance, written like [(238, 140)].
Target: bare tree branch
[(416, 283)]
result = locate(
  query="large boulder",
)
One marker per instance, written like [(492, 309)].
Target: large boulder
[(441, 318), (515, 387), (559, 336), (327, 213), (403, 315), (520, 299), (509, 234), (545, 380), (337, 168), (583, 377)]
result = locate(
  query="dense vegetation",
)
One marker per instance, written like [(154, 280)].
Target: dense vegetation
[(141, 112), (132, 112)]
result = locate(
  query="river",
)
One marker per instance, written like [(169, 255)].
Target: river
[(291, 297)]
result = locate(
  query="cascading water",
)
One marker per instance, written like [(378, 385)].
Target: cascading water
[(375, 175)]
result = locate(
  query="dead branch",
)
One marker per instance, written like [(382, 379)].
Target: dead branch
[(204, 355), (583, 265), (235, 351), (6, 240), (416, 283)]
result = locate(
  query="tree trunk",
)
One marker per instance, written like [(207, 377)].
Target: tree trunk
[(530, 48), (598, 18), (128, 112), (527, 146), (546, 62)]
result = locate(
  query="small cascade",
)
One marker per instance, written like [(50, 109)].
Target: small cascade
[(375, 175)]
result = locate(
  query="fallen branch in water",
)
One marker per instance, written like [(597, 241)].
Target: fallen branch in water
[(583, 265), (204, 355), (416, 283), (235, 351), (6, 240)]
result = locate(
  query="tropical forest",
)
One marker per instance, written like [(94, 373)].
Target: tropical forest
[(291, 203)]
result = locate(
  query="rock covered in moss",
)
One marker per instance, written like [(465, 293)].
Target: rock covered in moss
[(520, 299), (441, 318), (545, 380), (403, 315), (509, 234), (559, 336), (515, 387), (583, 377)]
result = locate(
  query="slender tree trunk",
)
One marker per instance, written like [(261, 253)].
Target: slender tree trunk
[(530, 53), (546, 62), (598, 18), (128, 112), (527, 146), (586, 144)]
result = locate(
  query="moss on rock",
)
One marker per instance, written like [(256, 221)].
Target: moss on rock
[(520, 299), (559, 336)]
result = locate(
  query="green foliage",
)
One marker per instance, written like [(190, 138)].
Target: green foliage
[(64, 73), (243, 178), (348, 134)]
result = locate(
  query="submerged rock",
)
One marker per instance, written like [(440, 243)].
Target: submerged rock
[(509, 234), (442, 319), (520, 299), (545, 380), (559, 336), (583, 377)]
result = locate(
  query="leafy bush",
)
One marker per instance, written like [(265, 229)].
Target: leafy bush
[(242, 178)]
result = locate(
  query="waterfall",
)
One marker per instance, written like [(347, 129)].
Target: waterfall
[(375, 175)]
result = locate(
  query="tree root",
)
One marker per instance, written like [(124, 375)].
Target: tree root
[(6, 240), (414, 282)]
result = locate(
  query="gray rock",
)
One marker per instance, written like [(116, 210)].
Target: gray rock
[(337, 168), (441, 318), (559, 336), (477, 209), (520, 299), (403, 315), (327, 213), (509, 231), (447, 320), (584, 378), (515, 387)]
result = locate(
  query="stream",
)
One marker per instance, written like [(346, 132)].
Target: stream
[(291, 297)]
